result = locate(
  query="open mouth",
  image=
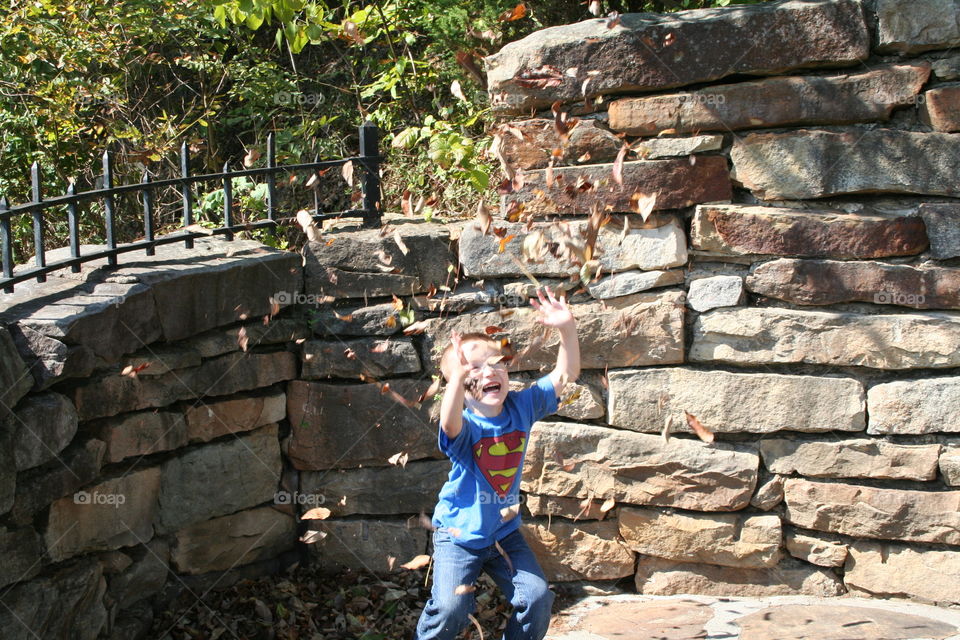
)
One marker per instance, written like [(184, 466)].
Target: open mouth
[(493, 387)]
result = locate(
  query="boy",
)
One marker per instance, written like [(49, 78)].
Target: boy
[(484, 429)]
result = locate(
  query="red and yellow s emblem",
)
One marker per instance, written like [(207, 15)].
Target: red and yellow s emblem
[(499, 458)]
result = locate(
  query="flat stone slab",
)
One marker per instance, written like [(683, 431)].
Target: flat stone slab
[(747, 230), (587, 143), (811, 282), (911, 26), (817, 164), (871, 512), (851, 458), (646, 52), (884, 569), (568, 551), (700, 617), (943, 227), (677, 182), (773, 102), (636, 468), (643, 399), (914, 406), (765, 335)]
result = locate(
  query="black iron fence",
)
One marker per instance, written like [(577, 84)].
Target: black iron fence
[(368, 160)]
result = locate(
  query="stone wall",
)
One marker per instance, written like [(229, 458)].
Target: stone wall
[(794, 288), (166, 424)]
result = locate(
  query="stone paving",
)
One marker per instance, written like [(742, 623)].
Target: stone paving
[(621, 617)]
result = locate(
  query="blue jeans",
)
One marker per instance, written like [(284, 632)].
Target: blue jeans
[(445, 614)]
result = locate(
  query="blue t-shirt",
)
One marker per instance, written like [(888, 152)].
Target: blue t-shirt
[(487, 460)]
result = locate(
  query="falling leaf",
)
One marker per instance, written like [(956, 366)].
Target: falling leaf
[(391, 560), (669, 39), (516, 13), (455, 532), (390, 322), (396, 238), (406, 203), (317, 513), (418, 562), (399, 459), (484, 219), (618, 164), (416, 328), (643, 203), (548, 176), (503, 243), (626, 229), (242, 339), (613, 19), (312, 180), (309, 226), (464, 588), (509, 513), (385, 388), (352, 32), (572, 397), (594, 7), (347, 172), (534, 246), (312, 536), (468, 60), (251, 158), (493, 329), (432, 390), (457, 91), (584, 157), (349, 354), (131, 371), (344, 318), (607, 505), (702, 432), (667, 427)]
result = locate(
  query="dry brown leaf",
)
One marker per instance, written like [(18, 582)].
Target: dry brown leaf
[(457, 90), (509, 513), (594, 7), (608, 504), (418, 562), (643, 203), (667, 427), (309, 226), (131, 371), (399, 459), (396, 238), (317, 513), (251, 158), (618, 164), (242, 339), (516, 13), (503, 243), (406, 203), (312, 536), (347, 172), (484, 219), (464, 588), (702, 432)]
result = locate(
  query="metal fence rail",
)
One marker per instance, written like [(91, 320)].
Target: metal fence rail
[(369, 159)]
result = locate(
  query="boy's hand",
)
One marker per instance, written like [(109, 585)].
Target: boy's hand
[(458, 368), (553, 311)]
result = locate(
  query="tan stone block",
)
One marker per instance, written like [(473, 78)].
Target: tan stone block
[(570, 551)]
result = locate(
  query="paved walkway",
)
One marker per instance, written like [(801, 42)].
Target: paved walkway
[(633, 617)]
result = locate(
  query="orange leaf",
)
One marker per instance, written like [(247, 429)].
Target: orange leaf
[(406, 203), (503, 243), (618, 164), (492, 329), (516, 13), (702, 432)]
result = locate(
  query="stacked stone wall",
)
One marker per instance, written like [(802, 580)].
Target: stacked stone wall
[(167, 424)]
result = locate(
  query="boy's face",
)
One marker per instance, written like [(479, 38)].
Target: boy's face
[(488, 382)]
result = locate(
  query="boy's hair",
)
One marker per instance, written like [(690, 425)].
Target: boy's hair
[(446, 360)]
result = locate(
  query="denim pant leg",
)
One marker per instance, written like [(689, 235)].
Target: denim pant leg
[(525, 586), (445, 613)]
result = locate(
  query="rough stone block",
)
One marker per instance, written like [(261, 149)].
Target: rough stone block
[(646, 52), (79, 464), (773, 102), (943, 227), (362, 263), (677, 182), (726, 402), (569, 551), (858, 458), (230, 541), (815, 550), (638, 469), (729, 540), (941, 109), (215, 418), (656, 576), (744, 230), (42, 426), (114, 513), (870, 512), (629, 282), (817, 164), (716, 291), (914, 407), (644, 247), (769, 335), (140, 434), (587, 140), (364, 358), (911, 26), (898, 571), (838, 281), (352, 425), (204, 482), (377, 546)]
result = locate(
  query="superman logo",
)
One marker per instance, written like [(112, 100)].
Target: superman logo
[(499, 458)]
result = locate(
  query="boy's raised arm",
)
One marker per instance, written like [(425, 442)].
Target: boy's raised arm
[(451, 406), (555, 313)]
